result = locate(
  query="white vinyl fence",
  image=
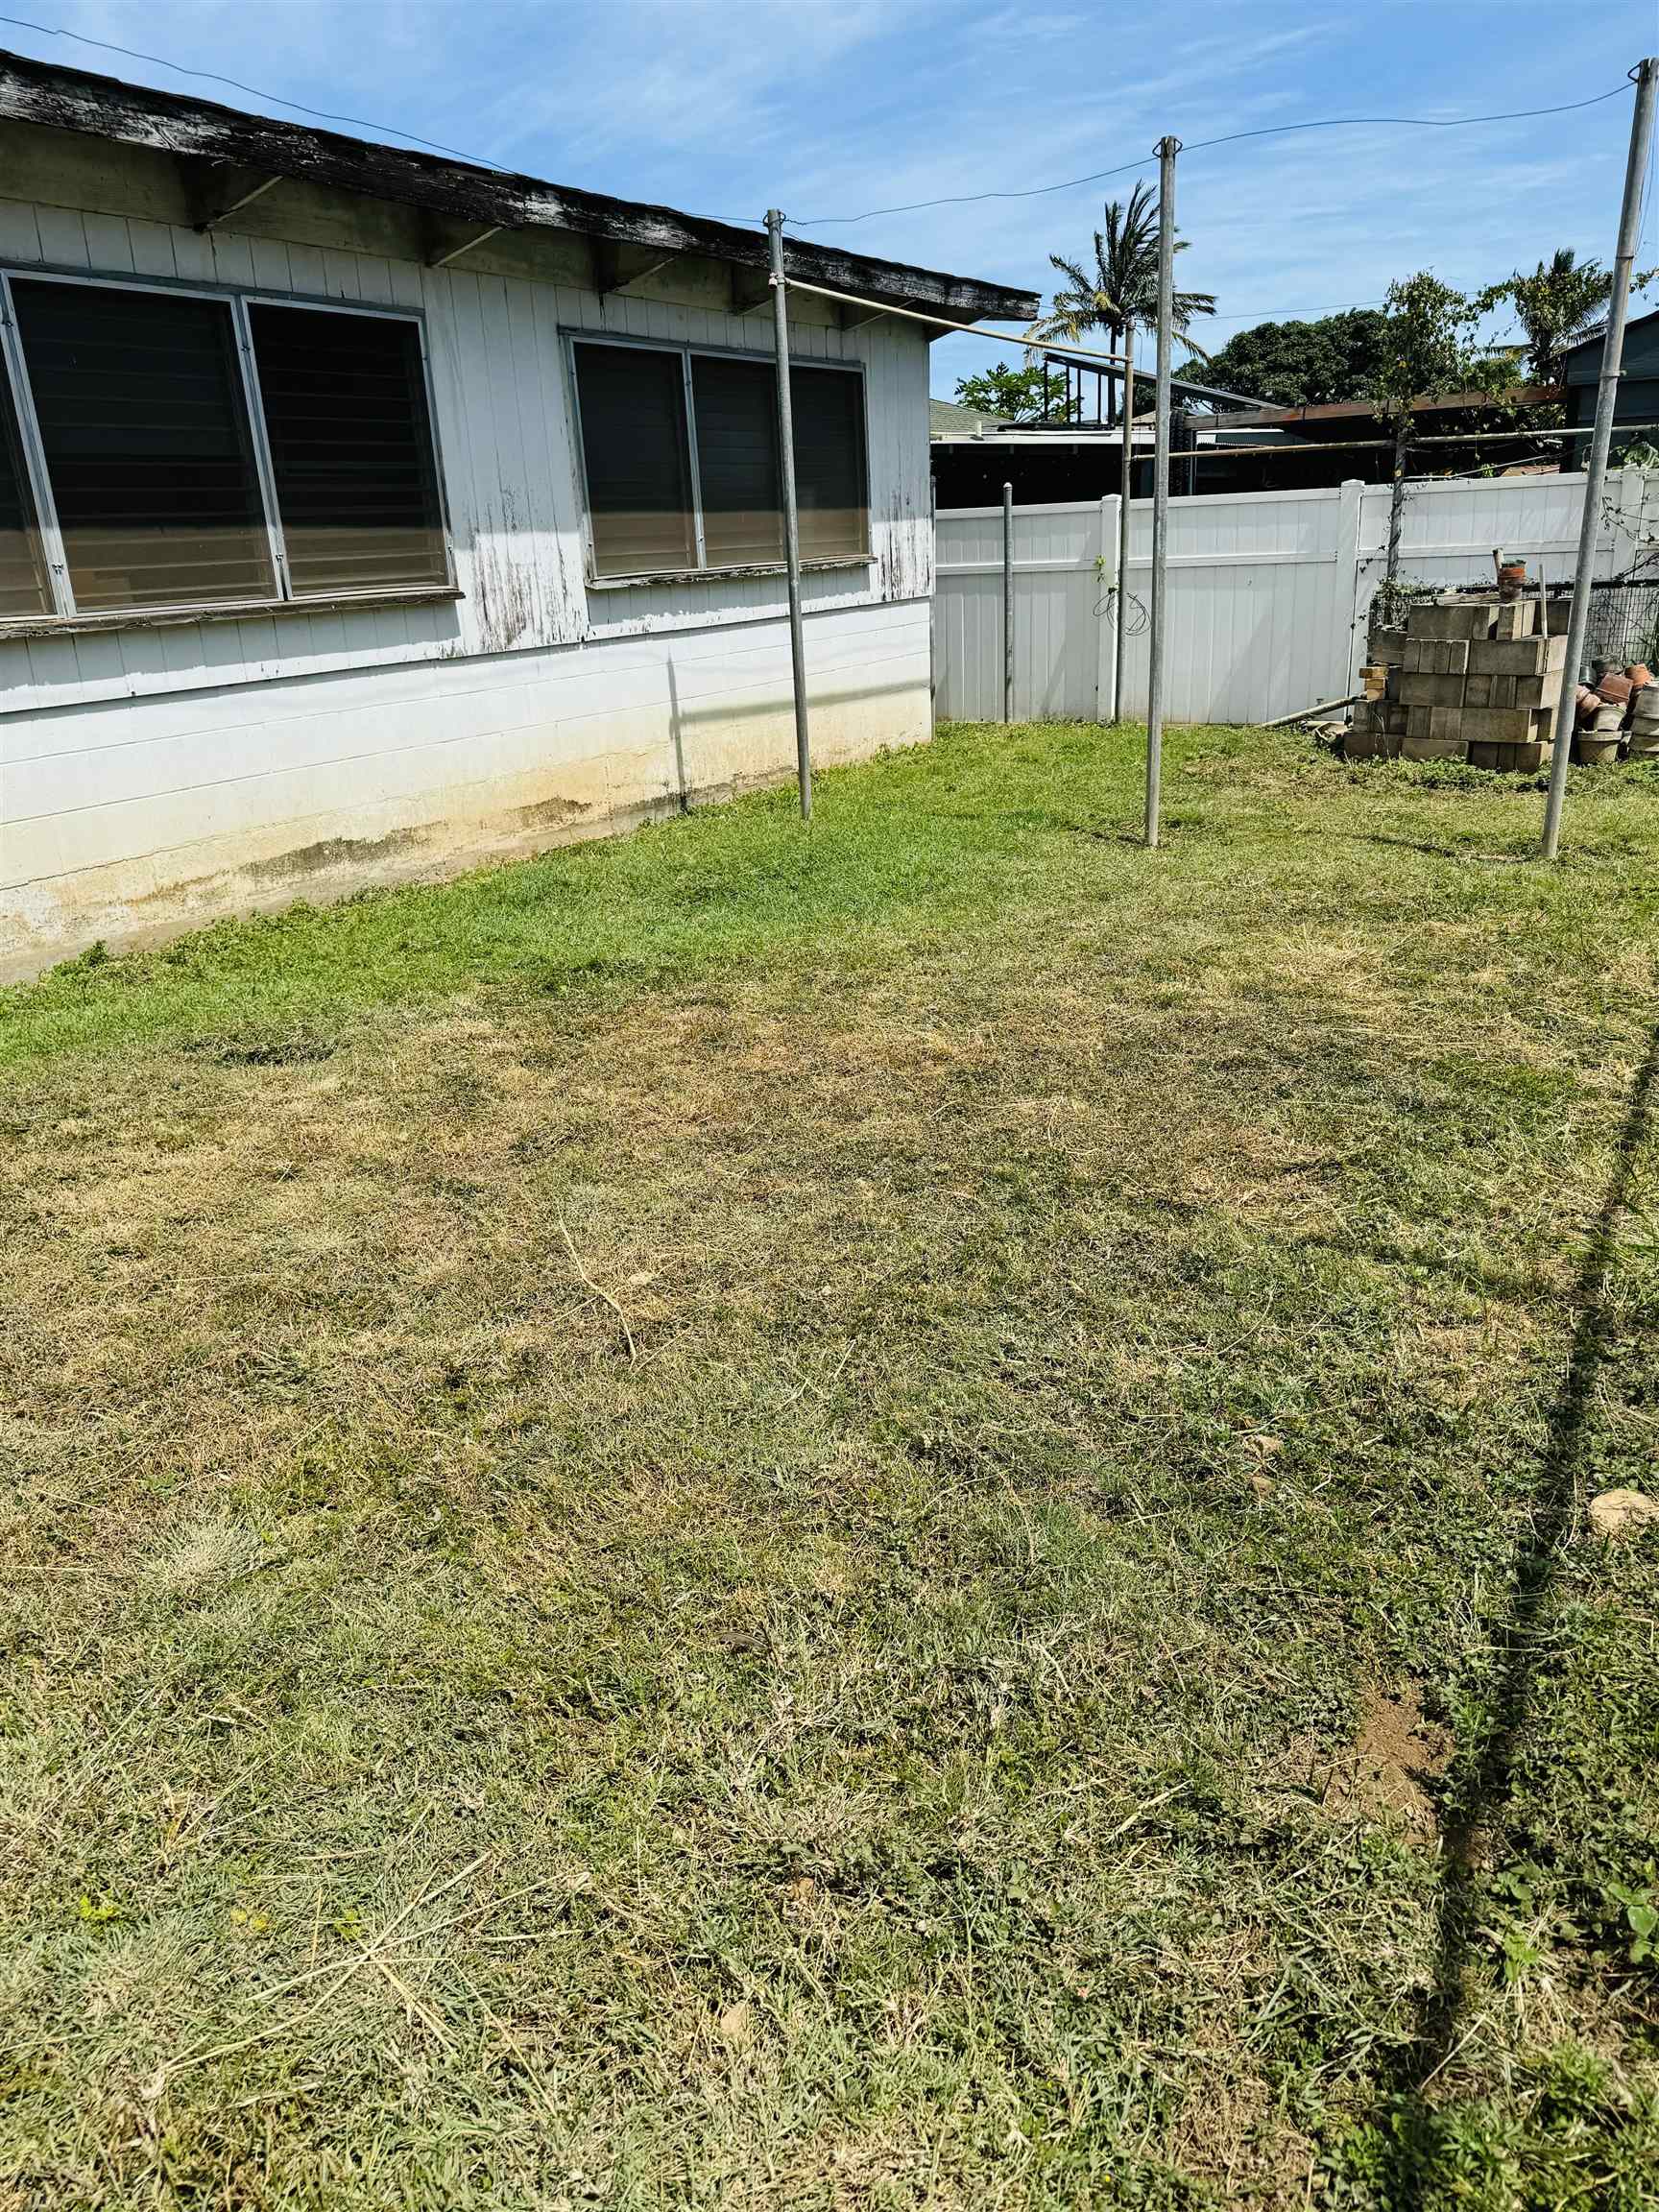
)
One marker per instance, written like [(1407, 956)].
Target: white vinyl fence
[(1268, 590)]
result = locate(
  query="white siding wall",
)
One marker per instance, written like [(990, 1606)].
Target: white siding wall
[(150, 776)]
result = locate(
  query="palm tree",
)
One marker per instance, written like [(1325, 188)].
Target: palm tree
[(1121, 295), (1562, 300)]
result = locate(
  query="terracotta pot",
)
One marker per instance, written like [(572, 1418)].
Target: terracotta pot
[(1614, 688), (1512, 578), (1640, 674)]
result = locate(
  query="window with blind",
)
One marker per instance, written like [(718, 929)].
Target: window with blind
[(345, 404), (205, 450), (679, 449), (144, 430)]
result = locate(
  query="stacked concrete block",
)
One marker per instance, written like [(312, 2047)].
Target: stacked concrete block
[(1480, 681), (1377, 726)]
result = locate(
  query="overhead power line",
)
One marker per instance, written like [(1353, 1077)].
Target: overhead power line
[(1229, 138), (257, 91), (869, 214)]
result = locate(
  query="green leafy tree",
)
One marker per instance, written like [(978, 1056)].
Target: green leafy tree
[(1304, 364), (1556, 304), (1119, 294), (1025, 395), (1433, 350)]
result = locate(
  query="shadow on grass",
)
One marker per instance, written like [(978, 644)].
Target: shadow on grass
[(1409, 2180)]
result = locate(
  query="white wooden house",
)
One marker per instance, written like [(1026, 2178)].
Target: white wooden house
[(364, 513)]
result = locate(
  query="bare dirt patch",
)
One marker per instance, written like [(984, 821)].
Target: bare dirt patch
[(1397, 1757)]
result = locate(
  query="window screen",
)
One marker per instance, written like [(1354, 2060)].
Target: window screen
[(345, 404), (138, 397), (830, 488), (22, 571), (632, 401), (737, 404)]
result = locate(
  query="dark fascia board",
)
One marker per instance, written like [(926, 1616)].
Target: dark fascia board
[(203, 130)]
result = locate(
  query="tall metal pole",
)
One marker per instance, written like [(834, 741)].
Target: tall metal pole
[(1168, 148), (1126, 490), (1007, 601), (791, 521), (1595, 468)]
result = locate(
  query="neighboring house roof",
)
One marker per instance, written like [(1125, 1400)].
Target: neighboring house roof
[(948, 418), (1581, 362), (1366, 410), (208, 136), (1053, 434)]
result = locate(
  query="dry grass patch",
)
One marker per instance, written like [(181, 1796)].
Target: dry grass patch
[(705, 1552)]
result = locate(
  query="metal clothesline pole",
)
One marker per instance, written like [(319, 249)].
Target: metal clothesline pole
[(1007, 601), (1126, 494), (1168, 148), (791, 520), (1596, 466)]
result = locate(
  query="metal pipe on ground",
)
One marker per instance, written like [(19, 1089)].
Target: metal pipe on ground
[(791, 517), (1647, 73)]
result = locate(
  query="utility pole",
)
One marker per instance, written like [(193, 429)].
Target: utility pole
[(1126, 489), (1646, 73), (791, 520), (1168, 148)]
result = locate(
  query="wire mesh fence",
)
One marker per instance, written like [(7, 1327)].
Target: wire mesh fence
[(1624, 626)]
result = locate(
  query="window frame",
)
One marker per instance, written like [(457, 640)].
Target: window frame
[(689, 350), (238, 298)]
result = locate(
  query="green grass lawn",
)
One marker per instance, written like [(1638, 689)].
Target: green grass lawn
[(883, 1516)]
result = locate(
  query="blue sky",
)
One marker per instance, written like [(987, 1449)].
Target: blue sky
[(828, 107)]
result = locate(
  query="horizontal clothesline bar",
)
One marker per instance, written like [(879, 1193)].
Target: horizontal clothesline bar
[(945, 323), (1083, 565)]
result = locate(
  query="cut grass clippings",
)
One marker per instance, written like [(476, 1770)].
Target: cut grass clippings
[(879, 1516)]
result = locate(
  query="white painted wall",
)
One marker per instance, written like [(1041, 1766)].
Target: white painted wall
[(1268, 590), (152, 777)]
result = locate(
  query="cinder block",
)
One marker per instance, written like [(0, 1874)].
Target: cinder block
[(1509, 655), (1450, 620), (1503, 690), (1446, 724), (1391, 684), (1499, 725), (1417, 722), (1437, 656), (1419, 689), (1477, 692), (1385, 641), (1433, 748), (1560, 614), (1397, 724), (1523, 759), (1535, 690), (1515, 618)]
